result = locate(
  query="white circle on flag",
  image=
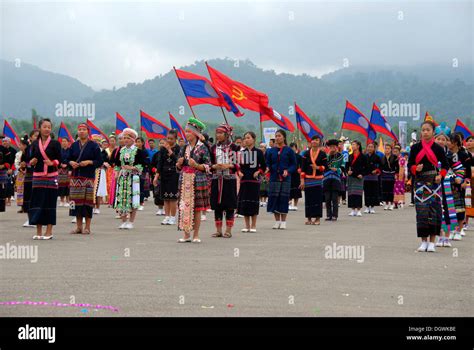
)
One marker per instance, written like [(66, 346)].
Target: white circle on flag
[(306, 127), (388, 127), (363, 122), (210, 90), (157, 129)]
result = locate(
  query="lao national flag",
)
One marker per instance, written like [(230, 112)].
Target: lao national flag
[(306, 125), (10, 133), (152, 127), (268, 113), (354, 120), (175, 125), (462, 128), (94, 130), (198, 89), (120, 123), (380, 124), (64, 133), (239, 93)]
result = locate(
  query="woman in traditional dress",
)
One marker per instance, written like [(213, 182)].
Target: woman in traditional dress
[(295, 190), (84, 158), (252, 168), (389, 166), (20, 175), (371, 180), (46, 157), (10, 155), (332, 180), (145, 174), (100, 182), (399, 188), (63, 174), (109, 169), (4, 166), (357, 168), (224, 155), (113, 158), (28, 182), (168, 176), (281, 162), (194, 163), (469, 189), (129, 167), (313, 165), (423, 164), (159, 202)]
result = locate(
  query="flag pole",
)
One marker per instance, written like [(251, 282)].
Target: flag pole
[(192, 111)]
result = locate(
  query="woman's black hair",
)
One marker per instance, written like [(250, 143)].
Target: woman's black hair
[(173, 132), (32, 132), (316, 137), (456, 139), (359, 144), (283, 133), (469, 137), (429, 122), (251, 133), (45, 120)]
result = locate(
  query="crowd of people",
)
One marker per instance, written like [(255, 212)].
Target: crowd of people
[(233, 177)]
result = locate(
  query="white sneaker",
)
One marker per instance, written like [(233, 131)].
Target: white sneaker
[(96, 211), (283, 225), (367, 210), (359, 213), (172, 220), (440, 242), (121, 227), (423, 247), (73, 221), (372, 210), (463, 232), (385, 207), (447, 243), (158, 212), (431, 247), (165, 221), (390, 207), (276, 226), (140, 208), (27, 224), (457, 236), (451, 235), (295, 208), (290, 208), (129, 225), (352, 213)]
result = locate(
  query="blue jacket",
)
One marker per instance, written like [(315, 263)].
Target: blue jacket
[(277, 163)]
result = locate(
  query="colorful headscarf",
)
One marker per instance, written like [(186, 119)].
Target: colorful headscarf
[(130, 133), (225, 128), (83, 125), (196, 127)]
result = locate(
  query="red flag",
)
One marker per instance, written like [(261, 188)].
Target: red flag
[(94, 130), (241, 94)]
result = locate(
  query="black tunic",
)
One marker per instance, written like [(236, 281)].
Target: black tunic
[(248, 200), (165, 165)]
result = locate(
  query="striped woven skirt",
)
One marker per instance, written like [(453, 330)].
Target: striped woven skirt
[(428, 204), (313, 198), (63, 182), (44, 199), (20, 185), (81, 196), (279, 196), (355, 189)]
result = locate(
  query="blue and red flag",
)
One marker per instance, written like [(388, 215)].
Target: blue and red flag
[(64, 133), (175, 125), (380, 124), (306, 125), (355, 120), (94, 130), (10, 133), (153, 128), (268, 113), (462, 128), (120, 123)]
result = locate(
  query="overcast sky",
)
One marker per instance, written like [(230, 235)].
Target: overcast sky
[(111, 43)]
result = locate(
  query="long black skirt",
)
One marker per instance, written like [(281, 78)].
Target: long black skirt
[(228, 197), (313, 198), (388, 186), (169, 186), (295, 192), (355, 188), (371, 191), (27, 188), (44, 199), (249, 198)]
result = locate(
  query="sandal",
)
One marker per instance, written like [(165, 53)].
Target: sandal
[(227, 235), (86, 232), (196, 240), (217, 234), (76, 231), (46, 237)]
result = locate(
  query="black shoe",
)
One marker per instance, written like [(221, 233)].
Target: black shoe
[(328, 219)]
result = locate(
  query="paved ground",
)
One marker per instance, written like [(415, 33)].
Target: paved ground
[(269, 273)]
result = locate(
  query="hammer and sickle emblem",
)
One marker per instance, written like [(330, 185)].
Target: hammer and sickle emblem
[(237, 94)]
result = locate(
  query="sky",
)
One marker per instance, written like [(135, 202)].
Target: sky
[(111, 43)]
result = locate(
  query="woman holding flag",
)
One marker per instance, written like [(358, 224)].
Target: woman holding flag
[(46, 157)]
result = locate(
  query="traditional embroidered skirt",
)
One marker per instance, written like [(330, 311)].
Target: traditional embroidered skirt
[(313, 198), (27, 188), (427, 204), (249, 198), (169, 182), (100, 183), (295, 192), (112, 185), (63, 181), (224, 193), (44, 199), (458, 196), (3, 188), (449, 218), (399, 191), (355, 189), (469, 197), (127, 197), (20, 184), (278, 197), (81, 196), (371, 190), (388, 184)]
